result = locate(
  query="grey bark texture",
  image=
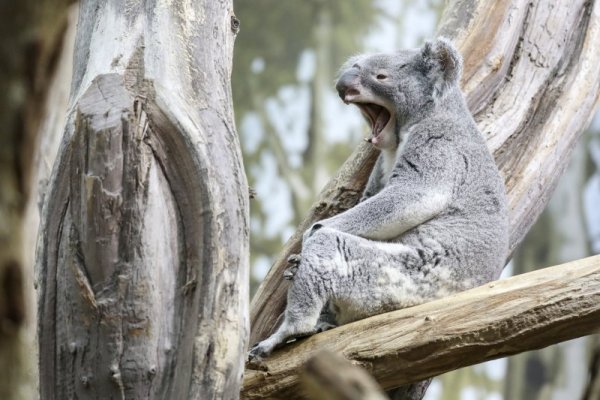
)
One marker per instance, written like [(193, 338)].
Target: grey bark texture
[(502, 318), (31, 42), (531, 80), (142, 261)]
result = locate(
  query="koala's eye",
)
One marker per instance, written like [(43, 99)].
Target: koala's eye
[(381, 77)]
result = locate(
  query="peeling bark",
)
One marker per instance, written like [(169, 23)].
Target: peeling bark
[(143, 250)]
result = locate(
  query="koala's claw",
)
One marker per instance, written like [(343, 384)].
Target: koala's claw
[(257, 353), (289, 273), (294, 259), (293, 262)]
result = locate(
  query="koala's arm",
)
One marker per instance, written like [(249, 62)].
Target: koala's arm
[(421, 187), (374, 184)]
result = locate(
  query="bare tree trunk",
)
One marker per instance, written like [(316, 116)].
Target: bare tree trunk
[(31, 39), (143, 250), (531, 80)]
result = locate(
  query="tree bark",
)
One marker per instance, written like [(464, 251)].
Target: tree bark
[(143, 249), (31, 40), (531, 80), (501, 318)]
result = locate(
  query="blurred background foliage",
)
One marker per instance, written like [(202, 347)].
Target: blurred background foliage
[(295, 133)]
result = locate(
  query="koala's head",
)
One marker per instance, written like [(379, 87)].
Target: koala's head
[(391, 89)]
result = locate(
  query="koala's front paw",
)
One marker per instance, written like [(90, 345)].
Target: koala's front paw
[(293, 263)]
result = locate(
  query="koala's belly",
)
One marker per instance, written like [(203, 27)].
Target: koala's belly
[(474, 250)]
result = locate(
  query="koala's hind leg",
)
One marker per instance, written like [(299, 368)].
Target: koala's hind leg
[(306, 298)]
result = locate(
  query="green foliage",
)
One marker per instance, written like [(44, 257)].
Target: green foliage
[(273, 36), (277, 32)]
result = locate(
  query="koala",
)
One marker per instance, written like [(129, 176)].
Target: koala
[(433, 217)]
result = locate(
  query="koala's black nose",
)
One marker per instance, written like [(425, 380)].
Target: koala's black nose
[(347, 84)]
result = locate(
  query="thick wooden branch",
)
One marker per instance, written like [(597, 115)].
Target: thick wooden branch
[(526, 312), (530, 77)]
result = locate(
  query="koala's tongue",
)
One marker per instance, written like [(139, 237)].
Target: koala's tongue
[(380, 117)]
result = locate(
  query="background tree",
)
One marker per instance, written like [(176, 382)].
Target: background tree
[(31, 37)]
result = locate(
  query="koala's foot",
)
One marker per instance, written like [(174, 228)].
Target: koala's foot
[(263, 349), (293, 263)]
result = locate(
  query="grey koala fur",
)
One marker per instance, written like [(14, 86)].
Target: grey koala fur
[(433, 217)]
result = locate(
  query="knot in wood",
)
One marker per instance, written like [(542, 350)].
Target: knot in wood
[(235, 24)]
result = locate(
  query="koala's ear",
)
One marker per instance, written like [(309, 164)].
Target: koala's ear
[(445, 63)]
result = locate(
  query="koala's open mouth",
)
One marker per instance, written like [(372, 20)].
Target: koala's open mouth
[(377, 115)]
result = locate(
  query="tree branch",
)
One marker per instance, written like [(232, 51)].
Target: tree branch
[(502, 318)]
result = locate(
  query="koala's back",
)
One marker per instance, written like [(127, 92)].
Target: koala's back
[(472, 232)]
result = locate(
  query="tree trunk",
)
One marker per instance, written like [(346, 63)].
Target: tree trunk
[(525, 312), (31, 39), (143, 249), (531, 80)]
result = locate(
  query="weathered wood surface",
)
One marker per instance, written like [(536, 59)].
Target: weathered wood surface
[(525, 312), (531, 77), (329, 376), (143, 251)]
